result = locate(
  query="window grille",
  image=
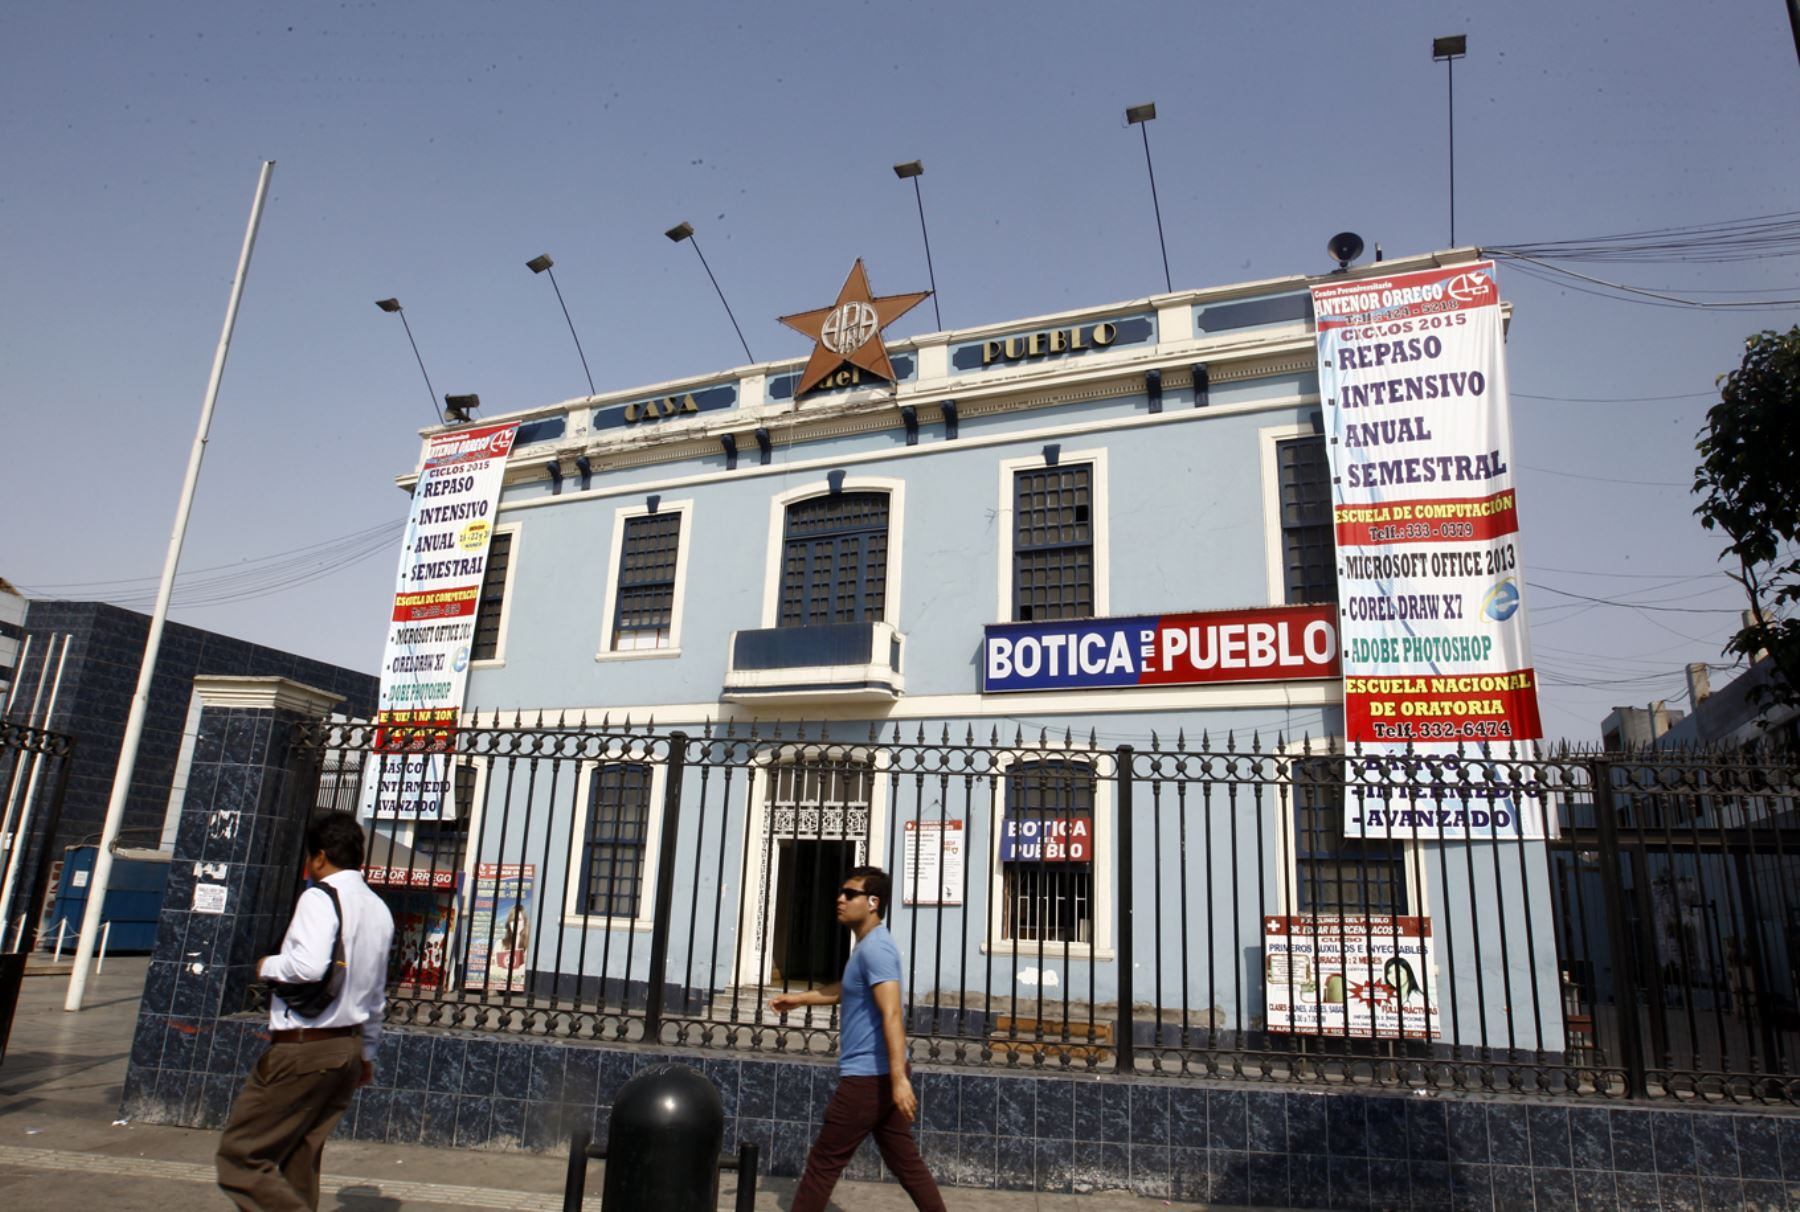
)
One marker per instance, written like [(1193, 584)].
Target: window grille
[(1053, 543), (1048, 885), (834, 560), (486, 644), (645, 607), (612, 854), (1332, 873), (1309, 551)]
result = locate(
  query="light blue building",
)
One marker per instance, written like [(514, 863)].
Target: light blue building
[(716, 553)]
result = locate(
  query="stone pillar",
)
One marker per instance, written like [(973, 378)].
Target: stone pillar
[(236, 857)]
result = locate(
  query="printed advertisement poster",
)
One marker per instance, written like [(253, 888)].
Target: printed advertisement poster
[(1267, 643), (932, 863), (500, 927), (1435, 648), (431, 628), (1359, 976), (424, 924)]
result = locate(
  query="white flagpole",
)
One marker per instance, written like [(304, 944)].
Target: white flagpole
[(140, 702)]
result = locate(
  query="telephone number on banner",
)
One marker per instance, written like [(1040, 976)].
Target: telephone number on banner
[(1438, 521)]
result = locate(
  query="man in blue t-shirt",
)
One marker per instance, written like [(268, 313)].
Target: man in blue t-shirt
[(874, 1091)]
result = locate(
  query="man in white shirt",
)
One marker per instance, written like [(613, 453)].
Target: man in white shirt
[(270, 1152)]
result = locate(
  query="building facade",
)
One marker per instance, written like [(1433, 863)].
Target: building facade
[(960, 552), (97, 648)]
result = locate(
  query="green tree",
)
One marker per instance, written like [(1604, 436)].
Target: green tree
[(1749, 482)]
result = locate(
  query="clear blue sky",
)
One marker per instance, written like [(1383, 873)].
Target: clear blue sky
[(428, 150)]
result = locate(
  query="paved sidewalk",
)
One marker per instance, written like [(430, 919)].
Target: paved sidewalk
[(60, 1147)]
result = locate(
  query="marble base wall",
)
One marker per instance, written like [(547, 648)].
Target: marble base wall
[(238, 841), (1226, 1145)]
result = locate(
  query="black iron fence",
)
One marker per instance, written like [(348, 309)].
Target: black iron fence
[(35, 764), (1587, 924), (34, 778)]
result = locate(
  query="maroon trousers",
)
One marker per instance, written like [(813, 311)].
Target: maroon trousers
[(859, 1106)]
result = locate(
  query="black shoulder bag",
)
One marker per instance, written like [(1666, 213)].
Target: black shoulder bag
[(309, 999)]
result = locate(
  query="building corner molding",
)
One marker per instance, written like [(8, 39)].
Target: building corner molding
[(264, 694)]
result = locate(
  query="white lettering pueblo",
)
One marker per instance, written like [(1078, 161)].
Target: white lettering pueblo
[(1247, 646)]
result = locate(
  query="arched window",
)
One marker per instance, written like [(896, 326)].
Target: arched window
[(834, 560)]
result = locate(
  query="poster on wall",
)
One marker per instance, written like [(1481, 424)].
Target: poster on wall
[(1046, 839), (424, 923), (1361, 976), (431, 627), (932, 862), (500, 927), (1435, 647)]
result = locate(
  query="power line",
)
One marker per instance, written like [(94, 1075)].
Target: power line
[(1752, 238), (1630, 605), (1690, 395), (244, 580), (1640, 294), (1575, 475), (1645, 576), (352, 538)]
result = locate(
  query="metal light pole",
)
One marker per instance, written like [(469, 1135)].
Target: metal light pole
[(1141, 116), (540, 265), (1448, 51), (685, 231), (140, 701), (392, 307), (912, 170)]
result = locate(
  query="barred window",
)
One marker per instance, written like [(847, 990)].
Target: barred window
[(1309, 552), (612, 852), (1333, 873), (834, 560), (646, 602), (486, 644), (1047, 854), (1053, 543)]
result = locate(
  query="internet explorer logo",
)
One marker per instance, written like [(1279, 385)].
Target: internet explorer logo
[(1502, 601)]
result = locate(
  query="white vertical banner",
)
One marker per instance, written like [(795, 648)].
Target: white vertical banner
[(437, 595), (1436, 652)]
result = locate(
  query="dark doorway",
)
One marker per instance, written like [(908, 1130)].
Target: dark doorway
[(809, 946)]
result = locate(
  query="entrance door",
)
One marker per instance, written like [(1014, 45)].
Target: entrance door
[(809, 947), (812, 824)]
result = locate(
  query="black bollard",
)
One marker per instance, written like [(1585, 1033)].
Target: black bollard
[(662, 1146)]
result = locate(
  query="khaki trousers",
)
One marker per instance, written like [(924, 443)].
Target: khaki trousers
[(272, 1146)]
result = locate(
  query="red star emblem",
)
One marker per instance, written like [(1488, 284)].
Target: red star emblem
[(848, 333)]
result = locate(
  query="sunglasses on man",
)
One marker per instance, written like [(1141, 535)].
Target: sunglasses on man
[(848, 893)]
